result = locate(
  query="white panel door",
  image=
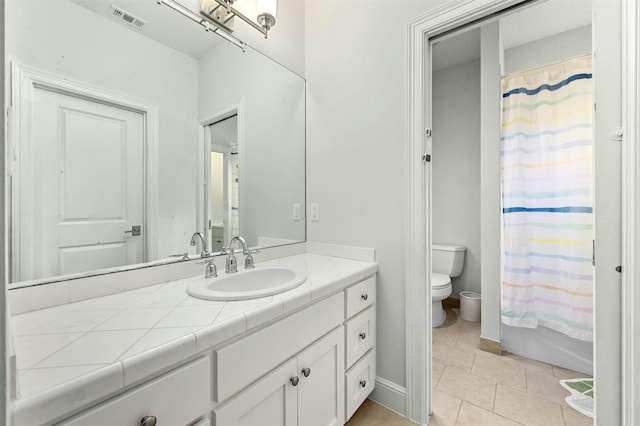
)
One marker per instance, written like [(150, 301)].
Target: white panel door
[(321, 391), (272, 401), (87, 180)]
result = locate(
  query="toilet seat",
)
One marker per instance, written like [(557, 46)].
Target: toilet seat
[(439, 281)]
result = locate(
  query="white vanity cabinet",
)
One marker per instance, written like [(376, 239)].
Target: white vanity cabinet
[(306, 390), (327, 379)]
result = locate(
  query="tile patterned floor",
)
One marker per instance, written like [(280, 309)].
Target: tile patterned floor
[(476, 388)]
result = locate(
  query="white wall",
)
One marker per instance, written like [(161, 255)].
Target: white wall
[(455, 184), (490, 55), (356, 73), (272, 155), (548, 50), (62, 38)]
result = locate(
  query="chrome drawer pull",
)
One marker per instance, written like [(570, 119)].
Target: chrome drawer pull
[(148, 421), (363, 336)]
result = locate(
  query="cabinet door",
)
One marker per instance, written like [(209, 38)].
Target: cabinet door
[(321, 392), (272, 401)]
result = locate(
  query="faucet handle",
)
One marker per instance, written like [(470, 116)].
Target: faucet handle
[(210, 270)]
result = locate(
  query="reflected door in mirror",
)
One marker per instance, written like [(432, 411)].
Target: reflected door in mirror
[(84, 209)]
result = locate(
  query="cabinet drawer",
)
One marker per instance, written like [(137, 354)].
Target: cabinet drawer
[(360, 335), (177, 398), (360, 381), (360, 296), (241, 363)]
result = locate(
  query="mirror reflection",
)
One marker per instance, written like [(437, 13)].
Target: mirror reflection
[(127, 139)]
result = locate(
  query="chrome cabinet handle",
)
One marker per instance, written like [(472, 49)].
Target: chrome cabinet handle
[(363, 336), (294, 380), (365, 296), (306, 372), (363, 383), (148, 421)]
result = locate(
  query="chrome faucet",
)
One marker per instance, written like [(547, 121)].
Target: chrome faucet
[(194, 237), (232, 264)]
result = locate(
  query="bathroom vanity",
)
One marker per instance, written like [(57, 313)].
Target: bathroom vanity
[(306, 356)]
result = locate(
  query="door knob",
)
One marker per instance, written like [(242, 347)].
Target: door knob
[(135, 231), (306, 372), (294, 380), (363, 383), (363, 336)]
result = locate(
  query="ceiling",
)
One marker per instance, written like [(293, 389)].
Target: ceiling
[(540, 20)]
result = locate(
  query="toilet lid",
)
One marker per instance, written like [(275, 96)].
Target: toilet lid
[(439, 280)]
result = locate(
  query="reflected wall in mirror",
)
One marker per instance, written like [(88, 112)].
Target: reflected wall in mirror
[(108, 129)]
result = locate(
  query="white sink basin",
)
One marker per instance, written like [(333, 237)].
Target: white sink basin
[(246, 283)]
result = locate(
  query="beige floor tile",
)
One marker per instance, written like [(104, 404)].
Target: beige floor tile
[(373, 414), (444, 336), (462, 385), (574, 418), (444, 409), (470, 415), (453, 356), (437, 368), (469, 340), (547, 387), (527, 409), (500, 370)]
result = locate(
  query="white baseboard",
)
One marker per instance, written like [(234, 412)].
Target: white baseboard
[(390, 395)]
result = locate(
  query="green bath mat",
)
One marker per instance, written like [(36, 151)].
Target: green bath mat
[(581, 398)]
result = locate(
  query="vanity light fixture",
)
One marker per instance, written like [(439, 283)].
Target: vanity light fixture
[(205, 22), (222, 14)]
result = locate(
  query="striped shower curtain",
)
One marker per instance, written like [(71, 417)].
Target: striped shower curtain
[(546, 151)]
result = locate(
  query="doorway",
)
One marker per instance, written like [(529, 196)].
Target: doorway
[(221, 182), (419, 227)]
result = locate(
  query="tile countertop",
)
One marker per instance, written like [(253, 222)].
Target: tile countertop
[(123, 338)]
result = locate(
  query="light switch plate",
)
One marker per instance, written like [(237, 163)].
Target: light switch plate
[(315, 212), (296, 211)]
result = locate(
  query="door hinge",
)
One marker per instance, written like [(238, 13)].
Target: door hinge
[(426, 158)]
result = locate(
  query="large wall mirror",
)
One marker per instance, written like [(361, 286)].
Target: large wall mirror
[(127, 136)]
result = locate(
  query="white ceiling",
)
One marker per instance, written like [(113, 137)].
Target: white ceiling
[(540, 20), (164, 25)]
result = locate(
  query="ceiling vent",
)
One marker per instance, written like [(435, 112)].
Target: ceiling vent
[(127, 17)]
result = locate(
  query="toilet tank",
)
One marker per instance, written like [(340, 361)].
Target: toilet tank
[(447, 259)]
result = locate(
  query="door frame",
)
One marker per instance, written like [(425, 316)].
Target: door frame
[(24, 79), (235, 107), (630, 213), (418, 217)]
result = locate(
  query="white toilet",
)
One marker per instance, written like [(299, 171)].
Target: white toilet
[(447, 261)]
